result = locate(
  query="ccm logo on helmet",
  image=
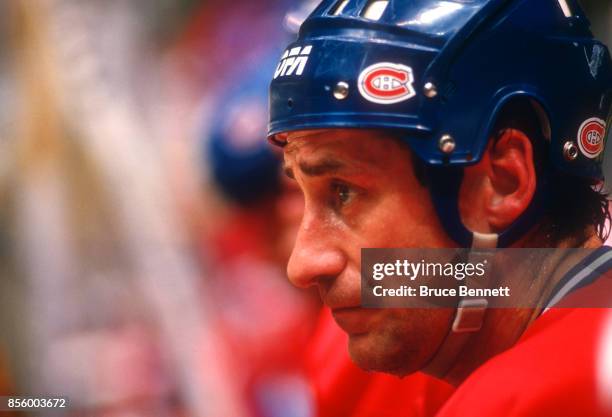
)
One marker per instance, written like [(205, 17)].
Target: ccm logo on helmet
[(293, 61), (591, 137), (386, 83)]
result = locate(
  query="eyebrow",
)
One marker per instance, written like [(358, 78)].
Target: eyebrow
[(319, 168)]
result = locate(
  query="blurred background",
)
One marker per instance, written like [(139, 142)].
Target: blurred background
[(144, 225)]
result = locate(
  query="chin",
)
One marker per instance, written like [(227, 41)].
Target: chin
[(375, 351)]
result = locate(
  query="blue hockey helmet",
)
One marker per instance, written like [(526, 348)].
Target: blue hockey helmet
[(439, 72), (242, 165)]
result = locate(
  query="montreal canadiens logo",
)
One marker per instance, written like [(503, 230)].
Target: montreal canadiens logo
[(386, 83), (591, 137)]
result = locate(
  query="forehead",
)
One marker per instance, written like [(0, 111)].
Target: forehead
[(359, 146)]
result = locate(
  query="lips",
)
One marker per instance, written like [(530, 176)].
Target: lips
[(344, 301), (353, 320)]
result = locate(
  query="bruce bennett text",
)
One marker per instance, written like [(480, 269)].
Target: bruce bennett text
[(425, 291)]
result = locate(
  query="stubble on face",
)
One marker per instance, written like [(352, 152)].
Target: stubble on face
[(393, 211), (403, 343)]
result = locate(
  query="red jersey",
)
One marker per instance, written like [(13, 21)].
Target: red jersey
[(551, 371), (562, 364)]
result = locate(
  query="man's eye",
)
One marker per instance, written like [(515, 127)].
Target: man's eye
[(342, 193)]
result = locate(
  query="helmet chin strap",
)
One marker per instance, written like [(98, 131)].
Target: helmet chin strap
[(444, 186), (469, 317), (471, 310)]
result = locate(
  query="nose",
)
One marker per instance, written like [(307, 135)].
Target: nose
[(316, 254)]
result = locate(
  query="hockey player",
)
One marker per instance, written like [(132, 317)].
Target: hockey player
[(441, 124)]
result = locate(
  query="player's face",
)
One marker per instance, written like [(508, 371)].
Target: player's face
[(360, 191)]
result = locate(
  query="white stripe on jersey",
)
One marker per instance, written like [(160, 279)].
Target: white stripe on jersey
[(572, 283)]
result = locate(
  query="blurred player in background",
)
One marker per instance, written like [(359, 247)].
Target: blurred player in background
[(264, 319)]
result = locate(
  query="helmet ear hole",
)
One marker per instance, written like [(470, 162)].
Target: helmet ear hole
[(525, 114)]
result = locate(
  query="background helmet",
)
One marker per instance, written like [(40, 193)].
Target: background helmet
[(243, 166), (439, 73)]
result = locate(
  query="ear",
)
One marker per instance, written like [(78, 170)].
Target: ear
[(500, 187)]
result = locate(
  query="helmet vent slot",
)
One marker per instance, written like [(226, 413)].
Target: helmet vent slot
[(567, 11), (339, 7), (374, 9)]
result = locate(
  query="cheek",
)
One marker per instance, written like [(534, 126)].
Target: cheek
[(404, 219), (397, 220)]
